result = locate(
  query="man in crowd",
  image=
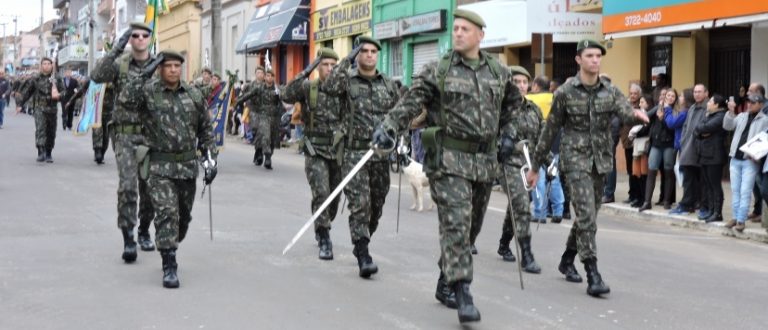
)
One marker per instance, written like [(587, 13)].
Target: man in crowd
[(368, 95), (44, 89), (689, 154), (5, 92), (125, 127), (321, 143), (70, 88), (262, 102)]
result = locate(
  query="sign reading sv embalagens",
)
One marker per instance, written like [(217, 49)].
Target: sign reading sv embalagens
[(348, 19)]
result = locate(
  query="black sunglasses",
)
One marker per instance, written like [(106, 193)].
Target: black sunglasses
[(137, 35)]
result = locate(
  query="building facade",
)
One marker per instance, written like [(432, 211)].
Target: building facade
[(235, 16), (179, 29), (336, 23)]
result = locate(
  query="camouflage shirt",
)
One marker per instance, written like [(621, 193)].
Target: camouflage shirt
[(174, 121), (108, 70), (262, 99), (528, 126), (368, 99), (584, 113), (476, 105), (321, 121), (38, 88)]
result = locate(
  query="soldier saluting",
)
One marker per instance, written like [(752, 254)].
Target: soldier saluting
[(469, 98), (583, 108), (176, 125), (321, 114)]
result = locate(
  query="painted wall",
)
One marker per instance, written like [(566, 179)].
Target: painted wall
[(235, 15), (625, 62), (179, 30), (759, 66), (342, 45)]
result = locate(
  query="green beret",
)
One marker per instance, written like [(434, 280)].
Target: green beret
[(140, 26), (589, 43), (516, 69), (259, 67), (217, 75), (169, 54), (207, 69), (470, 16), (269, 71), (324, 52), (45, 58), (363, 39)]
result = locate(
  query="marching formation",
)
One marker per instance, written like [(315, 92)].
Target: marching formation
[(479, 128)]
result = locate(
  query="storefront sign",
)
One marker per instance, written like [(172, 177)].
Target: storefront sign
[(581, 6), (422, 23), (385, 30), (299, 32), (622, 15), (348, 19), (556, 18)]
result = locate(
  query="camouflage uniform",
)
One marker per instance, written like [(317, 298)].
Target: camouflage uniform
[(38, 88), (262, 102), (321, 165), (584, 113), (368, 101), (528, 126), (125, 130), (176, 123)]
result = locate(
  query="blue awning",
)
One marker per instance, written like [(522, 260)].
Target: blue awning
[(281, 22)]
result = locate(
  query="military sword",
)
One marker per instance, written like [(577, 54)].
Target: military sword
[(330, 198), (401, 151), (210, 210), (514, 226)]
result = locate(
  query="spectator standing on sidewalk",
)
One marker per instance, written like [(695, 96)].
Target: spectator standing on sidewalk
[(757, 208), (635, 193), (663, 151), (641, 145), (712, 155), (743, 170), (689, 157), (5, 92)]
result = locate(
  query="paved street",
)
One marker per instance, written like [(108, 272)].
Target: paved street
[(60, 265)]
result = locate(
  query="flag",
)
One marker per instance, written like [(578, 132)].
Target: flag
[(154, 8), (93, 103), (223, 99)]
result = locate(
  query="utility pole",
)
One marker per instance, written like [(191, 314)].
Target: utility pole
[(2, 59), (42, 45), (91, 37), (215, 35)]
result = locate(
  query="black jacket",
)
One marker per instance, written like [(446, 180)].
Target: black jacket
[(661, 136), (711, 137)]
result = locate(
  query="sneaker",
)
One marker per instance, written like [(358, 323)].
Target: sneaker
[(751, 217), (740, 227), (679, 210), (704, 213), (730, 224)]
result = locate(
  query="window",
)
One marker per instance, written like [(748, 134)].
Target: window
[(396, 59)]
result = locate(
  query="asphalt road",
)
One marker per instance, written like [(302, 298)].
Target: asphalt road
[(60, 265)]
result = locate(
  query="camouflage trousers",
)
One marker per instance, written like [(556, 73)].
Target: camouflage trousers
[(173, 199), (45, 129), (100, 135), (261, 125), (323, 176), (521, 204), (461, 205), (586, 190), (131, 188), (366, 194)]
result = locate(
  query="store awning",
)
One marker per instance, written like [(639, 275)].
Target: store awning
[(280, 22)]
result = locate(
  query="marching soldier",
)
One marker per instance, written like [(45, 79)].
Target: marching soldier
[(262, 102), (176, 124), (368, 95), (470, 98), (44, 89), (321, 114), (99, 135), (528, 125), (583, 108), (125, 128)]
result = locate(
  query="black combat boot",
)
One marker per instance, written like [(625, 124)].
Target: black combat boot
[(258, 157), (504, 251), (170, 280), (473, 249), (183, 228), (129, 245), (98, 156), (466, 308), (145, 240), (364, 260), (48, 157), (526, 256), (40, 154), (567, 268), (268, 161), (595, 284), (325, 245), (445, 294)]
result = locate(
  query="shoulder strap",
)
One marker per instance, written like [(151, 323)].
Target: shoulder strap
[(442, 71), (125, 61), (314, 87)]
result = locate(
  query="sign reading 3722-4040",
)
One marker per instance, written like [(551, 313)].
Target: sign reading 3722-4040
[(339, 21)]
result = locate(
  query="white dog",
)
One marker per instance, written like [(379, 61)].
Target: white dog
[(418, 180)]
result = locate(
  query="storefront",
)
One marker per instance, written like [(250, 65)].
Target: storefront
[(412, 34), (336, 23), (278, 29)]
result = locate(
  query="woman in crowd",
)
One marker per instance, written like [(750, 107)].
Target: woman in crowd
[(712, 155), (641, 143), (662, 150)]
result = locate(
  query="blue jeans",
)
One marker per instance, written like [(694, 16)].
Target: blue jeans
[(610, 180), (2, 109), (299, 132), (743, 174), (541, 200)]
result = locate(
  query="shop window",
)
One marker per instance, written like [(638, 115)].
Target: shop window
[(396, 59)]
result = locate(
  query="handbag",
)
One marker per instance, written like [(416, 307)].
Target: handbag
[(640, 146)]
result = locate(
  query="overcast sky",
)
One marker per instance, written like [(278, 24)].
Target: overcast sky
[(28, 12)]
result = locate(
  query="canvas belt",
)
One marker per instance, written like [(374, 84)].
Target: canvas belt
[(359, 144), (173, 156), (468, 146), (127, 128)]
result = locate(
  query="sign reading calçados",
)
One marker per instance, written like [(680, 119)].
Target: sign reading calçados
[(348, 19)]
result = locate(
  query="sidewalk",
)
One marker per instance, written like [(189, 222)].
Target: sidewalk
[(754, 231)]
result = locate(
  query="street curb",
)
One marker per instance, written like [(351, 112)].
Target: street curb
[(757, 235)]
